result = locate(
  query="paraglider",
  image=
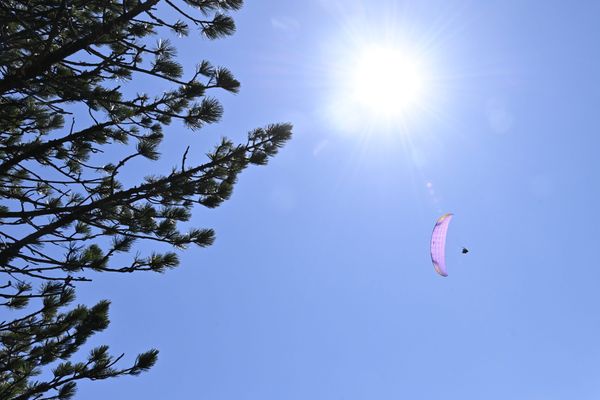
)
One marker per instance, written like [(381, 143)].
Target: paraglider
[(438, 244)]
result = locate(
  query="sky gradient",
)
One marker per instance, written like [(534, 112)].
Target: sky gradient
[(320, 283)]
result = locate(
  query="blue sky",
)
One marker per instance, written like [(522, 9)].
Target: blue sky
[(320, 284)]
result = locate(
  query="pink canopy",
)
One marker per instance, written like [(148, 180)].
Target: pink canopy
[(438, 244)]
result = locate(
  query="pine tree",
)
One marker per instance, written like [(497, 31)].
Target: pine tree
[(66, 112)]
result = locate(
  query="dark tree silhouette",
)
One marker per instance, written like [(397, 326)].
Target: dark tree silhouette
[(69, 127)]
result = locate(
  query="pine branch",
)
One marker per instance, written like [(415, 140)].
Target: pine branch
[(41, 64)]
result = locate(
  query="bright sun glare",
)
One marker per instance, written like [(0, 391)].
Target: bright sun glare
[(379, 87), (387, 81)]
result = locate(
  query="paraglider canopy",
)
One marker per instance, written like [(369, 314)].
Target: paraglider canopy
[(438, 244)]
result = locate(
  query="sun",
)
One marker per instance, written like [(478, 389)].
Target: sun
[(379, 86), (387, 81)]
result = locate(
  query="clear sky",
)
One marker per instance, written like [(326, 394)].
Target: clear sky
[(320, 284)]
